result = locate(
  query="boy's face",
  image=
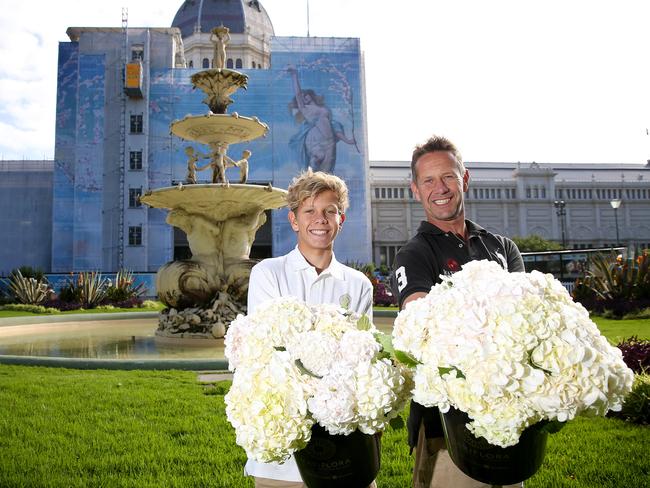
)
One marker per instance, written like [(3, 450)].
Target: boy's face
[(317, 222)]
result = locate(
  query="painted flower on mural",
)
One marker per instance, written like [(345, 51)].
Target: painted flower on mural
[(510, 350), (295, 365)]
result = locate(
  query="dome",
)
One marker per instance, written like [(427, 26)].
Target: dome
[(239, 16)]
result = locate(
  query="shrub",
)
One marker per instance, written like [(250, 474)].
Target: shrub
[(133, 302), (20, 307), (28, 290), (29, 272), (150, 304), (123, 289), (636, 354), (614, 284), (62, 305), (641, 314), (383, 296), (88, 289), (535, 242), (636, 408)]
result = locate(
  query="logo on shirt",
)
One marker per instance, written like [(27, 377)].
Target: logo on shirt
[(452, 265), (400, 278)]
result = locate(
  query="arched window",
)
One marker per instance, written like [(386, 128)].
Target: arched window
[(191, 64), (229, 63), (238, 63), (206, 63), (254, 66)]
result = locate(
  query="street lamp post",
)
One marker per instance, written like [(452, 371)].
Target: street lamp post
[(560, 210), (615, 204)]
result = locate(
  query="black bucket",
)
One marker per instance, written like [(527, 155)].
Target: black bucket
[(491, 464), (341, 461)]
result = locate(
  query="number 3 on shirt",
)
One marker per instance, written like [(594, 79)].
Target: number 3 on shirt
[(400, 277)]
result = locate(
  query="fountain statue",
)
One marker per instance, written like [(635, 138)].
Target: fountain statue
[(206, 292)]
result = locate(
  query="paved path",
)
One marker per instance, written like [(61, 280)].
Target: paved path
[(213, 376)]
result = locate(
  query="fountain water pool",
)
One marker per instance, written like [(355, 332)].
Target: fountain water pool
[(108, 343)]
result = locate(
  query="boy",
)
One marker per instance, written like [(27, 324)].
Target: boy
[(317, 204)]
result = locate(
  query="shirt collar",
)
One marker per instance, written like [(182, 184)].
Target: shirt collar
[(473, 229), (298, 263)]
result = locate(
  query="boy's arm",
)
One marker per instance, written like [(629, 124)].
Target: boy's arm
[(366, 301), (262, 286)]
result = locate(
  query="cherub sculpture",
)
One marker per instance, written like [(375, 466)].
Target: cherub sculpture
[(193, 157)]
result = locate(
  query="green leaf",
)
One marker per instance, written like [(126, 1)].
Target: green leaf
[(364, 323), (304, 370), (406, 359), (537, 366), (280, 348), (459, 373), (386, 342), (397, 423)]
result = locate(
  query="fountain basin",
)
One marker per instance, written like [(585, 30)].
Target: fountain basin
[(123, 341), (219, 128), (100, 341)]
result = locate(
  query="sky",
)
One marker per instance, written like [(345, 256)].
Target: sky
[(551, 81)]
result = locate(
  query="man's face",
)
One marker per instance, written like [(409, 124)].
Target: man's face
[(317, 221), (440, 187)]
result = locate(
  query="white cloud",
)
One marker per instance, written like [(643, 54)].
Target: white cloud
[(544, 80)]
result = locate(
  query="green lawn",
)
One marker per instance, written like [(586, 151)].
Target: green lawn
[(616, 330), (67, 428), (19, 313)]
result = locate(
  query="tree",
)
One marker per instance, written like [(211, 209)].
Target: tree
[(534, 242)]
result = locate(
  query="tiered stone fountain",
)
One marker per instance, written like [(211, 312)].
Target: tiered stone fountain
[(206, 292)]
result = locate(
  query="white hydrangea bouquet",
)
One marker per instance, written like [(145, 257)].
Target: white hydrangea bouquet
[(509, 350), (296, 364)]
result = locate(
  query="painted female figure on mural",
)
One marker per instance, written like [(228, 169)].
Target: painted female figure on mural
[(315, 142)]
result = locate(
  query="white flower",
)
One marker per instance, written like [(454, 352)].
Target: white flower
[(296, 364), (267, 406), (316, 350), (509, 349), (357, 346)]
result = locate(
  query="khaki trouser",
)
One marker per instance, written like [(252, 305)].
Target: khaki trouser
[(269, 483), (435, 469)]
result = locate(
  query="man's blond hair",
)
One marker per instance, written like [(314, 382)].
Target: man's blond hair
[(310, 184)]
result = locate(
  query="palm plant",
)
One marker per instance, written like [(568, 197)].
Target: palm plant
[(30, 291), (612, 281), (124, 287), (93, 288)]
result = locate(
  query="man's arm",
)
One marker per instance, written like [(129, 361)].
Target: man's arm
[(413, 274), (411, 297), (513, 256)]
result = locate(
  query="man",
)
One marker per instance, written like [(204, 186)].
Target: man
[(317, 203), (443, 243)]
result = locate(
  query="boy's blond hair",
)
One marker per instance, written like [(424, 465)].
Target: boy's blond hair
[(310, 184)]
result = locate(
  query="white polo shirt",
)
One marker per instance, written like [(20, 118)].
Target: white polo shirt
[(292, 275)]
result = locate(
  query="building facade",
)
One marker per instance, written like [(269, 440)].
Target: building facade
[(570, 203), (120, 89), (26, 216)]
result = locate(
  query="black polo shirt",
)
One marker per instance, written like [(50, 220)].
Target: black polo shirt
[(433, 252), (418, 265)]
